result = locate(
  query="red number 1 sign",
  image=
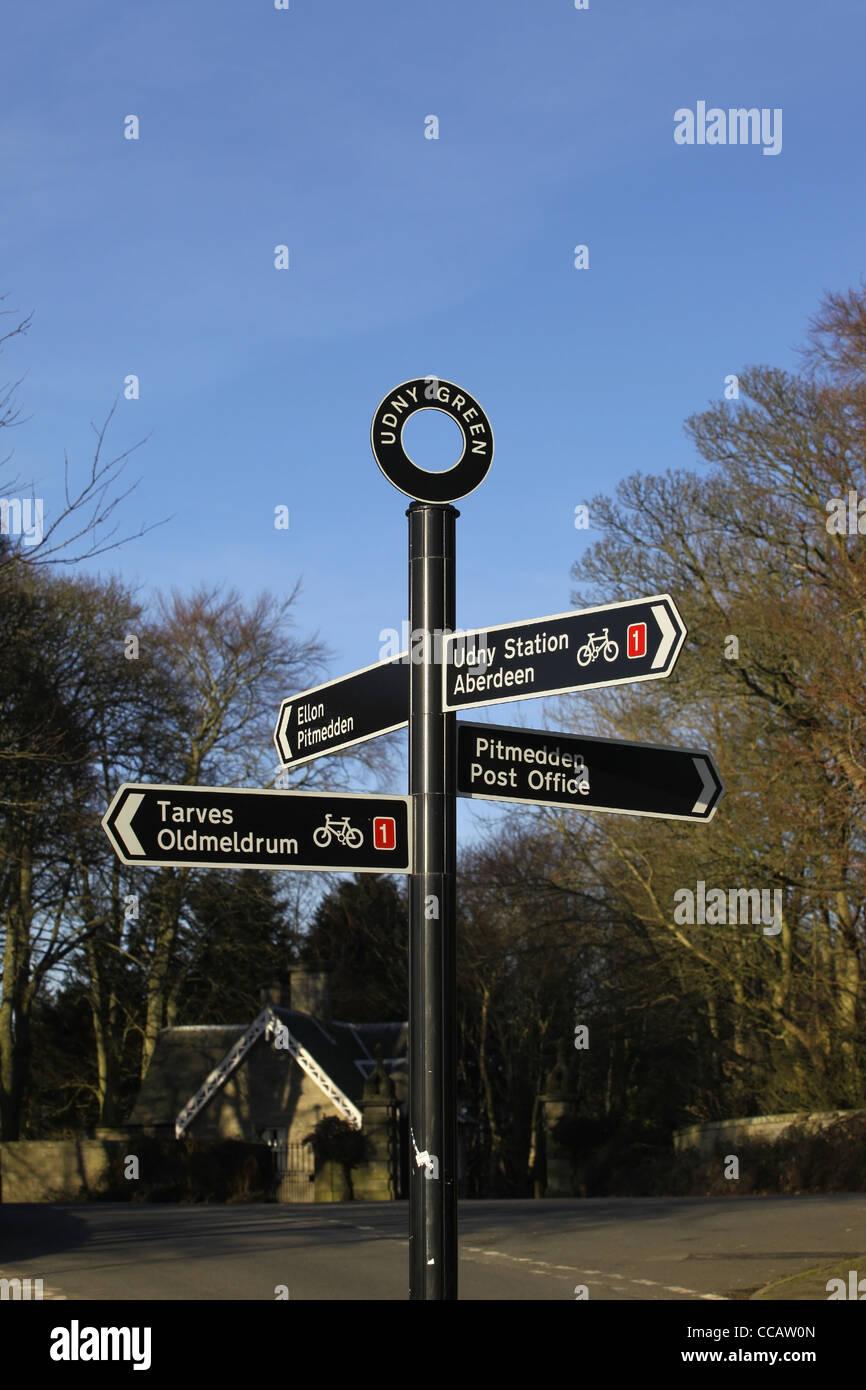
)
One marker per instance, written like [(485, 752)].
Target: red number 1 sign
[(636, 639), (384, 832)]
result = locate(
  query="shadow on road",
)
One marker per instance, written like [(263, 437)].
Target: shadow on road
[(30, 1229)]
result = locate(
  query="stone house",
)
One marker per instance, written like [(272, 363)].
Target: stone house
[(271, 1078)]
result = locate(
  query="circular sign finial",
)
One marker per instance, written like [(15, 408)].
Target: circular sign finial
[(386, 436)]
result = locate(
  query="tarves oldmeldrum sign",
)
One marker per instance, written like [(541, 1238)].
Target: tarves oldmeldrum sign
[(386, 436)]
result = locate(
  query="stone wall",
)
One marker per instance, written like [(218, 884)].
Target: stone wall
[(726, 1134), (81, 1170), (55, 1170)]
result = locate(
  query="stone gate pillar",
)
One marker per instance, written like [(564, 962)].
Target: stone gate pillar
[(555, 1162), (377, 1179)]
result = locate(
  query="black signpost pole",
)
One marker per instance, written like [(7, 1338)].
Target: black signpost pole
[(433, 794), (432, 974)]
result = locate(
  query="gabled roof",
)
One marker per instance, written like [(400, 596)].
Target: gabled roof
[(347, 1051), (184, 1056)]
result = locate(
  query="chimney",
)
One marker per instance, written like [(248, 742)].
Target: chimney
[(275, 994), (310, 990)]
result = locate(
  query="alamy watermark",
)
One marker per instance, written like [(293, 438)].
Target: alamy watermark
[(419, 647), (735, 126), (856, 1287), (739, 906), (21, 1289), (77, 1343), (846, 517), (22, 516)]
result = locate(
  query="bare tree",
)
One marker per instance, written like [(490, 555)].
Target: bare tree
[(88, 504), (772, 677)]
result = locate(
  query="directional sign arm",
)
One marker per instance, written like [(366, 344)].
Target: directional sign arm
[(342, 713), (538, 767), (157, 825), (638, 640)]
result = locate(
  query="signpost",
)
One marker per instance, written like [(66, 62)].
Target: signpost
[(432, 921), (227, 827), (639, 640), (340, 713), (497, 762), (234, 828), (432, 764)]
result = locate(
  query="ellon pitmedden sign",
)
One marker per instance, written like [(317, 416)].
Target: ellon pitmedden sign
[(343, 712)]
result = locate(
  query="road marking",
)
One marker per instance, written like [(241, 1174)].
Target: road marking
[(544, 1267)]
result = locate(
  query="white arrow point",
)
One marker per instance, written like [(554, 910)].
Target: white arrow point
[(283, 746), (123, 824), (669, 635), (708, 786)]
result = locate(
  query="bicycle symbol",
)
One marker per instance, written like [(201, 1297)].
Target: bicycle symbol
[(339, 830), (594, 647)]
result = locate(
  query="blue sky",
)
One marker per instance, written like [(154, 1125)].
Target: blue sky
[(408, 256)]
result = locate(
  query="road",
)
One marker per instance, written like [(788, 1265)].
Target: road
[(621, 1249)]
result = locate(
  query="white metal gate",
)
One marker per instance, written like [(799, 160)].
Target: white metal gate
[(295, 1168)]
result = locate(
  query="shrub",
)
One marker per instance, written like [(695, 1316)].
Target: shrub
[(191, 1170)]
